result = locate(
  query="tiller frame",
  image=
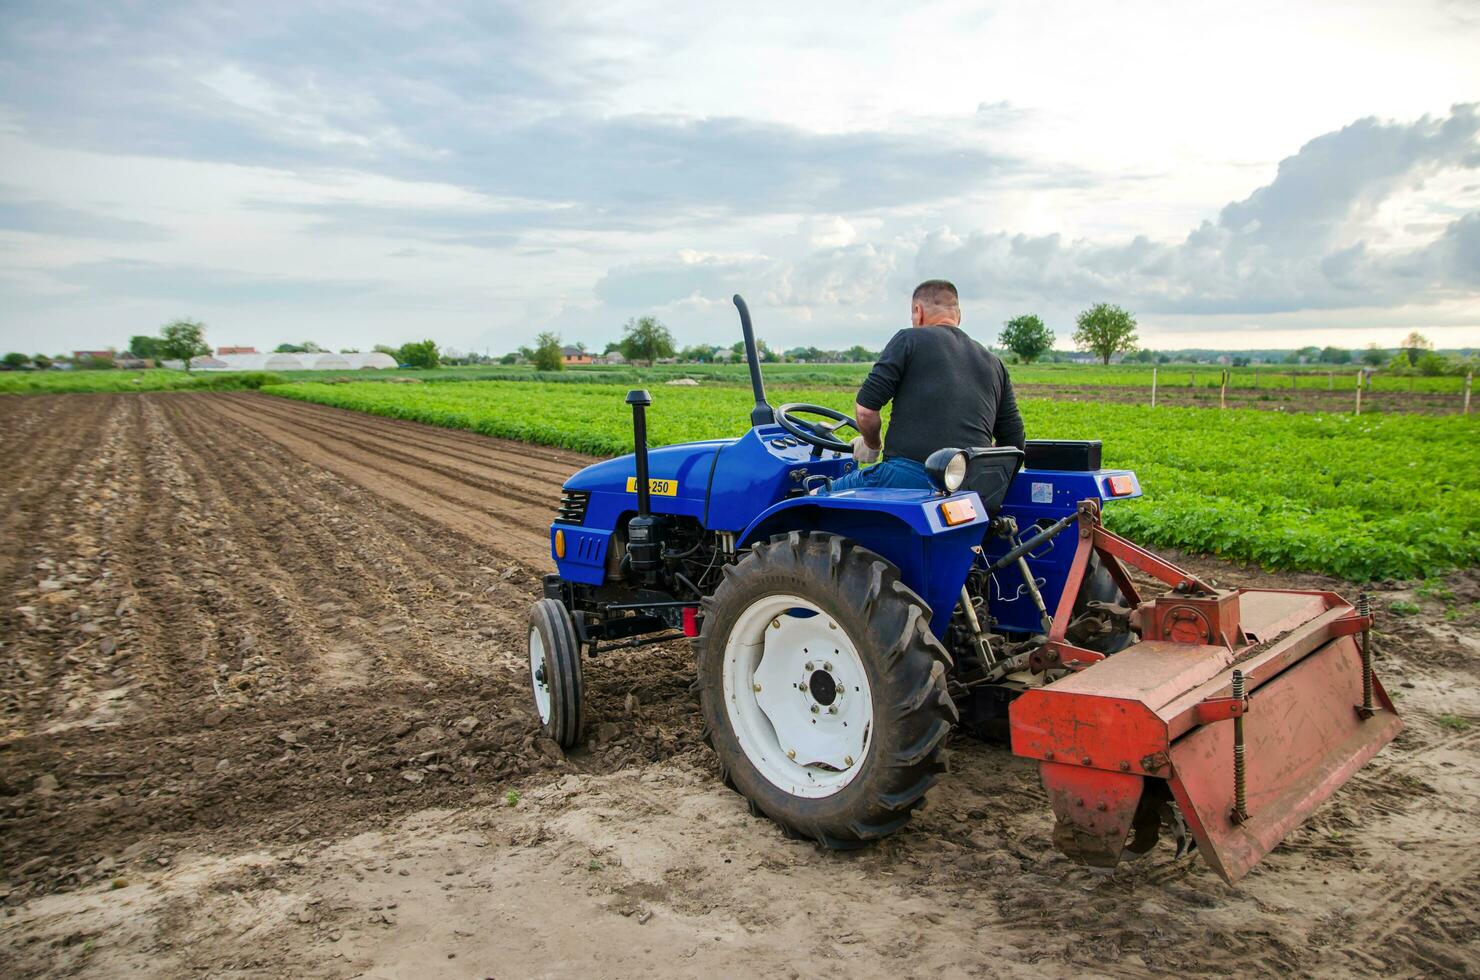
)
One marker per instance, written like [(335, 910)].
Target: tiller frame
[(1123, 737)]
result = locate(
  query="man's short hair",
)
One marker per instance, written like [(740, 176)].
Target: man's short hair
[(937, 293)]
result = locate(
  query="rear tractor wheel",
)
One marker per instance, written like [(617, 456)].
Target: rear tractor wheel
[(555, 671), (823, 689)]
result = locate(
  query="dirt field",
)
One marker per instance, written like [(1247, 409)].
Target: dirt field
[(265, 713)]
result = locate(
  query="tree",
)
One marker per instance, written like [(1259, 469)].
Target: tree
[(1105, 330), (612, 345), (1433, 365), (145, 347), (1335, 355), (386, 349), (1414, 345), (699, 353), (509, 359), (547, 355), (646, 339), (858, 353), (423, 354), (1027, 337), (1373, 355), (182, 340), (14, 361), (41, 361)]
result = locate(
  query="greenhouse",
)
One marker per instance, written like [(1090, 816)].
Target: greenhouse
[(318, 361)]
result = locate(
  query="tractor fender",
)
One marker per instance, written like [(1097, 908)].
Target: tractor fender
[(906, 527)]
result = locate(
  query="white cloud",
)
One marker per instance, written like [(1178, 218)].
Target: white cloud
[(481, 171)]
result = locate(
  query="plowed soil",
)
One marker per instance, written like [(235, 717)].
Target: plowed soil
[(264, 711)]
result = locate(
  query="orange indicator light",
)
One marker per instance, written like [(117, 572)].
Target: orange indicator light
[(1121, 486), (958, 511)]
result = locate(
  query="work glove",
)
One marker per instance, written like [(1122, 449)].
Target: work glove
[(862, 454)]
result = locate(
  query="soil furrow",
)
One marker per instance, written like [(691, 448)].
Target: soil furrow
[(516, 533), (483, 477), (484, 452), (548, 462)]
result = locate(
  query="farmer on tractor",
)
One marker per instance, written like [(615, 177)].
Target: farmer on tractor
[(947, 389), (840, 637)]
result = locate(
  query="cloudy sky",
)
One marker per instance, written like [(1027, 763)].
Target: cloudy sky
[(1245, 174)]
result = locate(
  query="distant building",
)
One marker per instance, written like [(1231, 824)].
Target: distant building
[(93, 355), (574, 355), (235, 350), (614, 357), (129, 362)]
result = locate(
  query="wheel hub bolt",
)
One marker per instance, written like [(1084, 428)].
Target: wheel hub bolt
[(832, 709), (815, 709), (809, 667)]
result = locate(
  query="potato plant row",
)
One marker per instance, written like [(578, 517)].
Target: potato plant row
[(1370, 498)]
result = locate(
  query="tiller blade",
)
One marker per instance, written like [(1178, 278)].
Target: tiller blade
[(1246, 709)]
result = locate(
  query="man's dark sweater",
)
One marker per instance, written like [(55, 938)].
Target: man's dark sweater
[(947, 390)]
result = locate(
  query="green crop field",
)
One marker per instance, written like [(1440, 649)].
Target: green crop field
[(1265, 378), (1363, 498), (78, 382)]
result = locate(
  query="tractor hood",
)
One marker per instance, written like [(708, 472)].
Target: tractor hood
[(678, 478)]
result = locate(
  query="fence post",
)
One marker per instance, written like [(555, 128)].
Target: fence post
[(1360, 376), (1223, 391), (1153, 391), (1469, 381)]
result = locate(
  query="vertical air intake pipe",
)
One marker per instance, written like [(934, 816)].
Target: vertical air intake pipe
[(762, 413)]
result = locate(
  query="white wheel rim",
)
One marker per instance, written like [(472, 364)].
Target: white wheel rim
[(797, 696), (538, 677)]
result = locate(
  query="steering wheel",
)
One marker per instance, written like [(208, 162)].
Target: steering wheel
[(815, 434)]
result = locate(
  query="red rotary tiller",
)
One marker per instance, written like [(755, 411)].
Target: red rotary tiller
[(1247, 707)]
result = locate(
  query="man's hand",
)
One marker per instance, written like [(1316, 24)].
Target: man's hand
[(862, 454)]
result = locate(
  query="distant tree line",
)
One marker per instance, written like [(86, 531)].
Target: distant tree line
[(1103, 331)]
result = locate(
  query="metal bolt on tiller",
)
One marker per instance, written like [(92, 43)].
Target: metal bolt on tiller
[(1364, 609), (1240, 807)]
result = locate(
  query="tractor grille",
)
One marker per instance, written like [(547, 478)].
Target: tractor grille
[(573, 507)]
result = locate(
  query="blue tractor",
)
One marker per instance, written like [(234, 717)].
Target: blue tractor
[(842, 635)]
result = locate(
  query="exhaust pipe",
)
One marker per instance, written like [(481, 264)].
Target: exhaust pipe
[(762, 414), (645, 531)]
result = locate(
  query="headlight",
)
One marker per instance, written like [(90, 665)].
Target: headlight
[(946, 469)]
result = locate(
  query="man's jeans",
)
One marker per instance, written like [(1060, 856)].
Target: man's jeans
[(892, 474)]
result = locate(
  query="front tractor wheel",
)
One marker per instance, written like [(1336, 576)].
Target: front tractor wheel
[(555, 671), (823, 689)]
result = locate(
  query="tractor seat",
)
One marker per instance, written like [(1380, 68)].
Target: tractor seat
[(989, 472)]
